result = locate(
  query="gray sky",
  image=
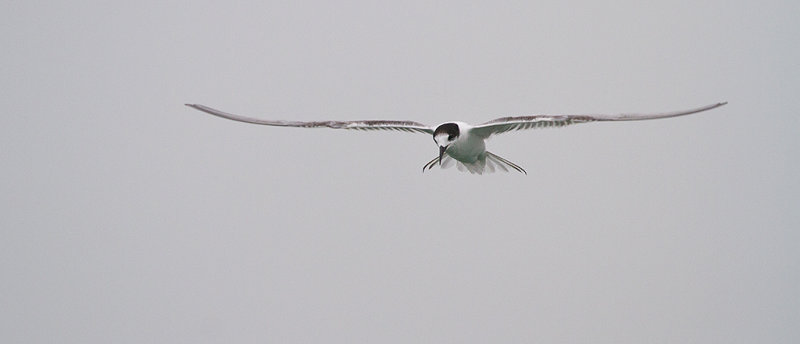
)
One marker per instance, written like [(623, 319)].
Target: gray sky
[(129, 218)]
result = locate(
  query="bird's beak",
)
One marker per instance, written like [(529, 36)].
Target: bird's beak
[(441, 153)]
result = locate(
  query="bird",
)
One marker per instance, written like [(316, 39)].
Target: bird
[(459, 143)]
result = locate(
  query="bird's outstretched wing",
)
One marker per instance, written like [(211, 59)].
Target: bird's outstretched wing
[(504, 124), (409, 126)]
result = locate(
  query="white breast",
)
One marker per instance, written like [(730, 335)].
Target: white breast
[(467, 148)]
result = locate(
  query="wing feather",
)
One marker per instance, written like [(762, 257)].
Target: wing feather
[(408, 126), (505, 124)]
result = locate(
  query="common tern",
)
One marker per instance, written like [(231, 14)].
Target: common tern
[(459, 143)]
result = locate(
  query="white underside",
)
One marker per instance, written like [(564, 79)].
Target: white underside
[(488, 163), (468, 153)]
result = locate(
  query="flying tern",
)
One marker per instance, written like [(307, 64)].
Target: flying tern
[(459, 143)]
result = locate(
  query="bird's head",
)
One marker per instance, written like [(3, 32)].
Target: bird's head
[(444, 135)]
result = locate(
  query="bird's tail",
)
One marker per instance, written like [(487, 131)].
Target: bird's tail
[(488, 163), (447, 161), (501, 163)]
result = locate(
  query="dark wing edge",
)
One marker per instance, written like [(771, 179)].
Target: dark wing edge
[(640, 117), (408, 126), (504, 124)]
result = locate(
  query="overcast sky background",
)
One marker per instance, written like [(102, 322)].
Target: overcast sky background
[(130, 218)]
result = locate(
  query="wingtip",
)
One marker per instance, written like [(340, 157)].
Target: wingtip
[(197, 107)]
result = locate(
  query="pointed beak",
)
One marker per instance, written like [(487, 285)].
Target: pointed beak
[(441, 153)]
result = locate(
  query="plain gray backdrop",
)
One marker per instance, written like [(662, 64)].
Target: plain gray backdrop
[(130, 218)]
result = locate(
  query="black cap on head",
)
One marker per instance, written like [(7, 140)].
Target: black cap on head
[(451, 129)]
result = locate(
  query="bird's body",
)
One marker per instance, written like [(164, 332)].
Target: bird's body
[(462, 144), (467, 147)]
